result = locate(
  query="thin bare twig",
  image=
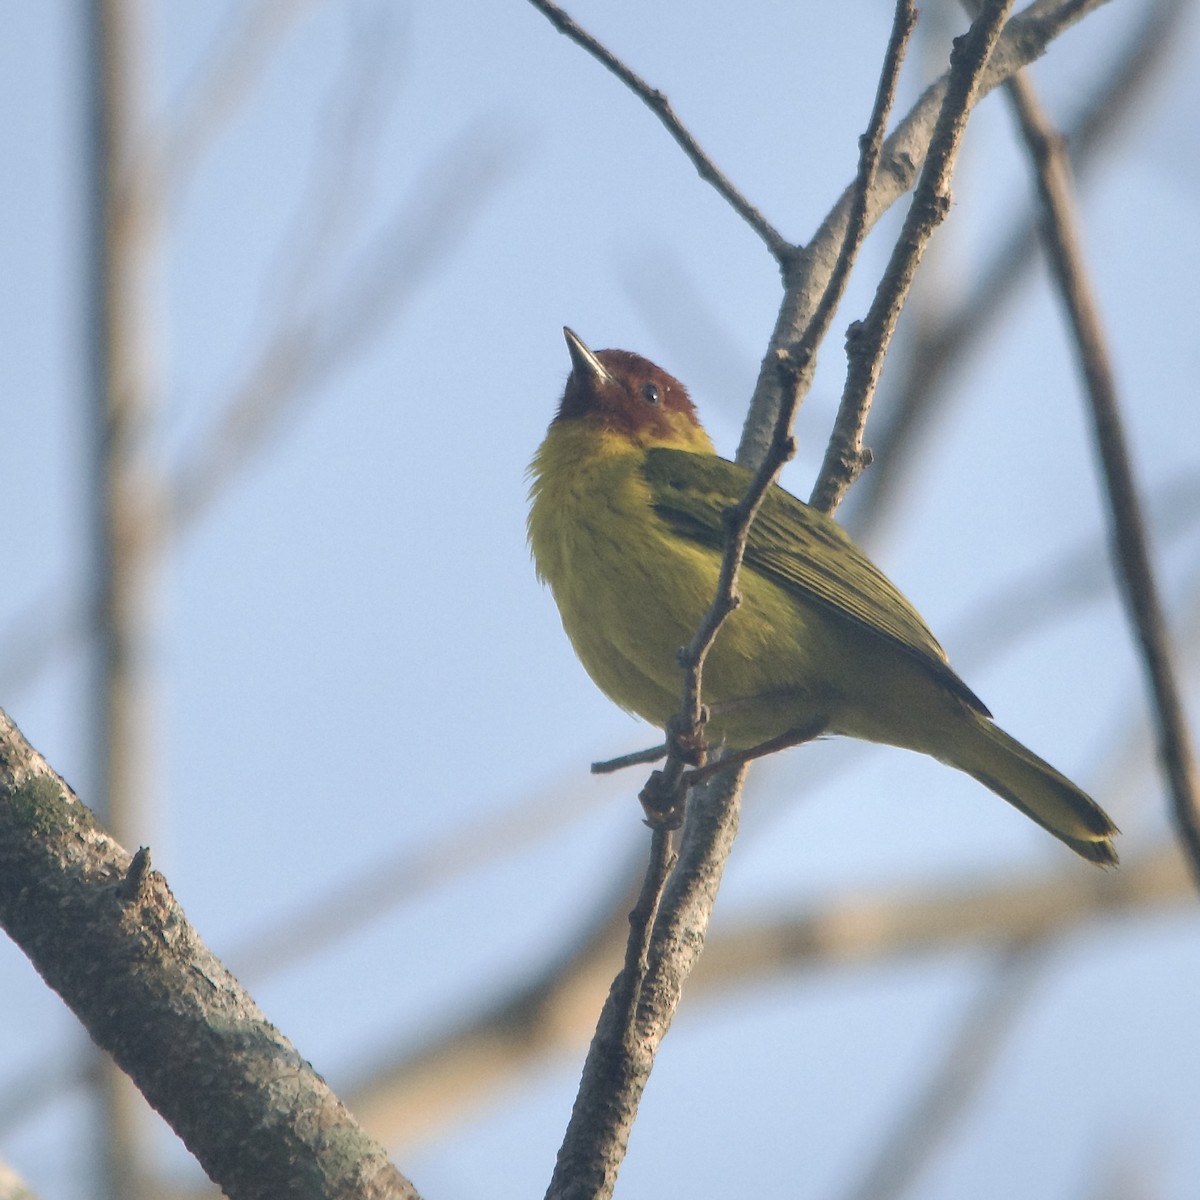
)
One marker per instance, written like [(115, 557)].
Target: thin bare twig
[(636, 758), (790, 738), (923, 387), (803, 353), (868, 342), (1128, 526), (658, 103)]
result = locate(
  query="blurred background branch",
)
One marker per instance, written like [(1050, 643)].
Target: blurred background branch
[(1136, 575)]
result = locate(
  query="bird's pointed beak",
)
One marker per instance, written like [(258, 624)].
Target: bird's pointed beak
[(583, 361)]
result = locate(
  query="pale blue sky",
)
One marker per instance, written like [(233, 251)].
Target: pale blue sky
[(355, 658)]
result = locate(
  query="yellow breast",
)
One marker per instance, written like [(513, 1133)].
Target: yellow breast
[(631, 592)]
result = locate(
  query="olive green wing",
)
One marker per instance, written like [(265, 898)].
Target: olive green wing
[(801, 549)]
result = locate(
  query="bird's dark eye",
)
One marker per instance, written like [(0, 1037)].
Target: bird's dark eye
[(650, 393)]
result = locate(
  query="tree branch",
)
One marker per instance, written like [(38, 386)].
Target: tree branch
[(806, 274), (104, 932), (621, 1054)]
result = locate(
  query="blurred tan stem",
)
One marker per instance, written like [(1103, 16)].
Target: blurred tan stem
[(121, 248)]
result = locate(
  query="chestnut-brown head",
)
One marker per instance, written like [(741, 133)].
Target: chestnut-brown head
[(625, 394)]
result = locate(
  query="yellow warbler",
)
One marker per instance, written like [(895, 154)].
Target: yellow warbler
[(625, 525)]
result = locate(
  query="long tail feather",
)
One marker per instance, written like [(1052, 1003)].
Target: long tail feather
[(1043, 794)]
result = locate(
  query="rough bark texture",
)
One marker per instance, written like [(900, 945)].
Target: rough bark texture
[(105, 932)]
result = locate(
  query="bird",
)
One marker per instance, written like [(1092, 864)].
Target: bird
[(626, 525)]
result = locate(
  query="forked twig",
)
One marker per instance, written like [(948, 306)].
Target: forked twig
[(924, 385), (1024, 39)]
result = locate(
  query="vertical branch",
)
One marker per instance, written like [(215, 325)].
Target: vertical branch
[(1024, 38), (1127, 524), (642, 1001), (122, 231), (868, 341), (619, 1058), (798, 374)]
